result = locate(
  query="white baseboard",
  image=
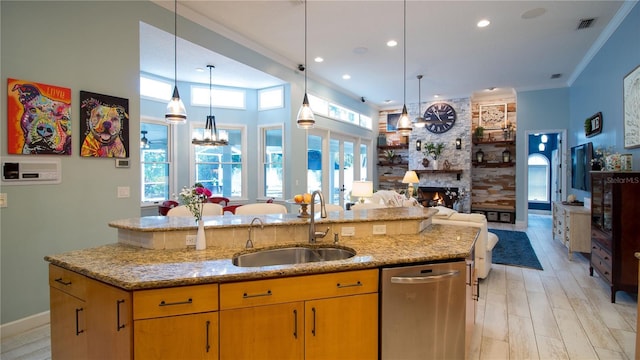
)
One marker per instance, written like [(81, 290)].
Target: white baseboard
[(24, 324)]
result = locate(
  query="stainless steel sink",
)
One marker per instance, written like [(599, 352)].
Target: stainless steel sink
[(291, 255)]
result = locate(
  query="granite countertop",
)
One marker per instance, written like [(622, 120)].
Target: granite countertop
[(134, 268), (175, 223)]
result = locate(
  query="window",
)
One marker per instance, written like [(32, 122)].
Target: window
[(219, 168), (154, 89), (538, 178), (220, 97), (337, 112), (155, 160), (272, 98), (273, 170)]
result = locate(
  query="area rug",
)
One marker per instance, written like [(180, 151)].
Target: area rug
[(513, 248)]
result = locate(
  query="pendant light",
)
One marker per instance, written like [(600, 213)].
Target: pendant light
[(404, 124), (144, 142), (210, 137), (420, 121), (305, 118), (176, 113)]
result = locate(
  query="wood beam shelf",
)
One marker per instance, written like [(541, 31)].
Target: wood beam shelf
[(493, 142), (493, 164), (458, 172)]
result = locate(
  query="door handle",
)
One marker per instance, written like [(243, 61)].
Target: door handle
[(424, 279)]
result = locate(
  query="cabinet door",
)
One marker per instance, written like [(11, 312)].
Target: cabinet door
[(109, 322), (177, 337), (342, 328), (68, 332), (271, 331)]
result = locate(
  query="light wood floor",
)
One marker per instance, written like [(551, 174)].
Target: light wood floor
[(558, 313)]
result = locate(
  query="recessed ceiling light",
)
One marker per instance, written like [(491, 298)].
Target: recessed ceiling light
[(392, 43), (483, 23), (436, 96), (346, 77), (199, 69), (318, 59), (533, 13)]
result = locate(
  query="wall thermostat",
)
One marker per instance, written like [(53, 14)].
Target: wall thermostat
[(122, 163)]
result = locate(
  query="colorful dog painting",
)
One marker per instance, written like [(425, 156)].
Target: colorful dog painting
[(39, 118), (104, 125)]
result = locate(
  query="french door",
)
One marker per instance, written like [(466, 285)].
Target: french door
[(334, 162)]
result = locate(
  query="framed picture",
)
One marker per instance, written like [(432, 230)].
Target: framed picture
[(493, 116), (631, 101), (392, 122), (104, 126), (593, 125), (38, 118)]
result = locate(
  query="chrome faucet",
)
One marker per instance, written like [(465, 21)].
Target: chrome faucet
[(313, 234), (249, 243)]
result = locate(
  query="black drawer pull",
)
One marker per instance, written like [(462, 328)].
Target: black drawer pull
[(60, 281), (78, 331), (118, 326), (246, 296), (163, 303), (348, 285)]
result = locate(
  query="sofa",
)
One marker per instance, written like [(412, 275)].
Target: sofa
[(486, 240)]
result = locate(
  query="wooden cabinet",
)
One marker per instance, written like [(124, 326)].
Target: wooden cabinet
[(180, 322), (89, 319), (472, 288), (615, 234), (312, 317), (572, 227), (68, 335)]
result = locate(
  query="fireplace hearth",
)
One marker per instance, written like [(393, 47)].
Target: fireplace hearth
[(437, 196)]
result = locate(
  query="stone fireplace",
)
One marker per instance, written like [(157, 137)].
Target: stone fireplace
[(437, 196)]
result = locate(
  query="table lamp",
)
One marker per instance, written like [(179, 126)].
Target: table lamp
[(362, 189), (410, 177)]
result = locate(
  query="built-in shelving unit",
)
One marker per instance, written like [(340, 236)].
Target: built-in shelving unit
[(390, 173)]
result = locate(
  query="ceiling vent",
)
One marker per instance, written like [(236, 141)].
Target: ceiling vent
[(556, 76), (585, 23)]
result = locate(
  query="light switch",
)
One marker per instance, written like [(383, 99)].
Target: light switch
[(123, 192), (3, 200)]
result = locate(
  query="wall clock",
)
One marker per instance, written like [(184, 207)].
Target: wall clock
[(440, 117)]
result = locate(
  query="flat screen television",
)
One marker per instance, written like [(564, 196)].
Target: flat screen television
[(581, 165)]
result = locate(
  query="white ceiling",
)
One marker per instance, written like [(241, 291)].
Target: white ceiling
[(443, 43)]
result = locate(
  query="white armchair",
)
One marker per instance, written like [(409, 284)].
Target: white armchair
[(486, 240)]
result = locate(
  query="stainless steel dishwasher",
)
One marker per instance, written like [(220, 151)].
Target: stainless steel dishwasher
[(423, 312)]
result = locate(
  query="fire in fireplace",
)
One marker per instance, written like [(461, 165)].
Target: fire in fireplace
[(437, 196)]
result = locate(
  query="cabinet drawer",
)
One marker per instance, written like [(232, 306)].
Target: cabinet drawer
[(602, 266), (299, 288), (68, 281), (175, 301), (601, 253), (603, 238)]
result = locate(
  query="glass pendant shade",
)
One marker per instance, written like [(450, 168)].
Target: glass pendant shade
[(176, 112), (404, 124), (305, 118)]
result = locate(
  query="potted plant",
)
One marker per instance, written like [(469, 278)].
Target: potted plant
[(479, 133), (390, 155), (433, 150)]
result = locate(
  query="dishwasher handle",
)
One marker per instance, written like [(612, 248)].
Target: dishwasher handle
[(424, 279)]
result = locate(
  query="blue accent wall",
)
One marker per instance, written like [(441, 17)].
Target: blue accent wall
[(599, 88)]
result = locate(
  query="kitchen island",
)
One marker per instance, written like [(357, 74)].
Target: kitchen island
[(127, 301)]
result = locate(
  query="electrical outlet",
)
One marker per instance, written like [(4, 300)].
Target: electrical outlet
[(379, 229), (191, 240), (348, 231)]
